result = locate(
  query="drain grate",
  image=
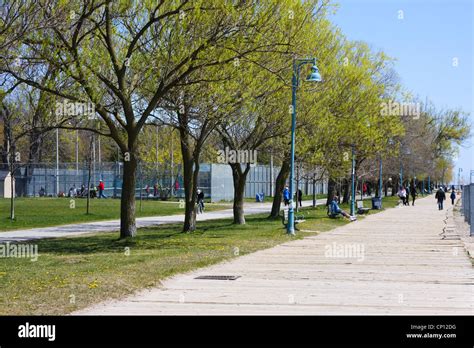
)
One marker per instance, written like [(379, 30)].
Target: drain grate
[(218, 277)]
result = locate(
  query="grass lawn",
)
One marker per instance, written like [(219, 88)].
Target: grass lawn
[(73, 273), (305, 198), (43, 212)]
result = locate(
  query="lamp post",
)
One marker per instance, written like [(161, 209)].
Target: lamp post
[(380, 179), (313, 77), (401, 175), (353, 191)]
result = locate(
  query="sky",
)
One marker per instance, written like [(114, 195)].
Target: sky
[(427, 38)]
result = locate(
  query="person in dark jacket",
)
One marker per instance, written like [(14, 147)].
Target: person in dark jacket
[(413, 194), (453, 195), (200, 201), (440, 197), (300, 197)]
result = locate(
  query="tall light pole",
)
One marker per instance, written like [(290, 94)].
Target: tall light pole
[(353, 191), (77, 152), (313, 77), (380, 178), (401, 175), (57, 158)]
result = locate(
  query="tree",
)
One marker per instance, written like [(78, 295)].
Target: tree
[(107, 51)]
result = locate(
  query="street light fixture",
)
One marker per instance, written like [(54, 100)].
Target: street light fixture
[(314, 76)]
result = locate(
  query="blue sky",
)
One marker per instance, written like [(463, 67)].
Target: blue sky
[(424, 43)]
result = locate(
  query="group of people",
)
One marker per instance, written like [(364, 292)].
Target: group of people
[(161, 191), (83, 192), (404, 194), (441, 196), (287, 196)]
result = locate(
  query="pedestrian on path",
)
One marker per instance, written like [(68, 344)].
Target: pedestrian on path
[(413, 194), (440, 197), (407, 200), (453, 195), (402, 193), (101, 189), (300, 197), (286, 196), (200, 201)]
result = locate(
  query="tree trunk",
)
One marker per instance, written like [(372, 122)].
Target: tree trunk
[(314, 191), (89, 174), (190, 176), (279, 186), (128, 227), (239, 178), (347, 191), (12, 188), (331, 190), (190, 179)]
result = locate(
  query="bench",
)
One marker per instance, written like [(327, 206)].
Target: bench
[(284, 218), (360, 208)]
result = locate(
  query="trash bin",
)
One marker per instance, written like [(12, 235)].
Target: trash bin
[(376, 203)]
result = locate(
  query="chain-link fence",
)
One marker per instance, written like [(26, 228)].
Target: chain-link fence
[(46, 179), (468, 205), (153, 181)]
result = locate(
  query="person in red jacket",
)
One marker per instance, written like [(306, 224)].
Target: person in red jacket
[(101, 189)]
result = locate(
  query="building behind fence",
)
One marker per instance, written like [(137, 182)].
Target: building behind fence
[(468, 206), (214, 179)]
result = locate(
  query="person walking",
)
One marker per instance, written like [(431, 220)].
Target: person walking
[(413, 194), (407, 199), (101, 189), (453, 195), (200, 201), (402, 193), (440, 197), (300, 197), (286, 195)]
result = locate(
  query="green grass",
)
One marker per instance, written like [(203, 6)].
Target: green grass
[(305, 198), (93, 268), (44, 212)]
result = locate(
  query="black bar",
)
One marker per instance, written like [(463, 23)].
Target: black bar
[(243, 330)]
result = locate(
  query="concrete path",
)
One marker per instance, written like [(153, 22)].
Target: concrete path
[(400, 261), (114, 225)]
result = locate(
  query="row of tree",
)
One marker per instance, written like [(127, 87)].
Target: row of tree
[(215, 74)]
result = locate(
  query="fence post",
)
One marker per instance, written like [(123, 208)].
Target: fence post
[(471, 208), (466, 201)]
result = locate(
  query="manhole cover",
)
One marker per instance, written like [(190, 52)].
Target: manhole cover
[(218, 277)]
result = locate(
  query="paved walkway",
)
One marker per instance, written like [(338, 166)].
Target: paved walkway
[(400, 261), (114, 225)]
